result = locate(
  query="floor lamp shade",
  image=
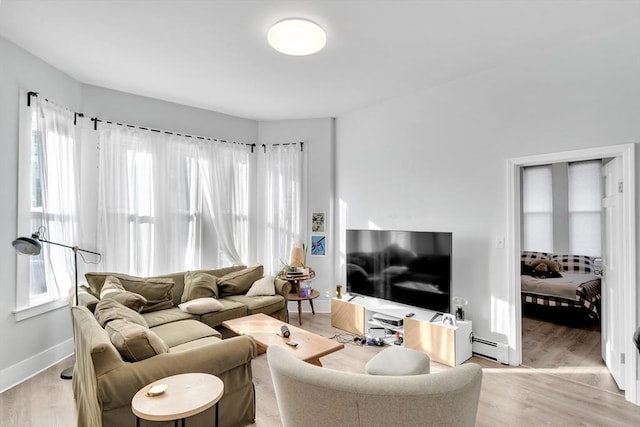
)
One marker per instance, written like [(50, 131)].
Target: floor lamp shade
[(32, 246)]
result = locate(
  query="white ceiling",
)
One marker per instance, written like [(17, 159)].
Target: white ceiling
[(214, 54)]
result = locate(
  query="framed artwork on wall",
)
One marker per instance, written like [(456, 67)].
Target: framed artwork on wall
[(319, 245), (318, 222)]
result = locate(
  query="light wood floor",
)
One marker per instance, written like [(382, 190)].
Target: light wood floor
[(563, 344), (511, 396)]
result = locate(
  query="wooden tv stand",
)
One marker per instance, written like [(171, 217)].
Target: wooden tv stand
[(449, 345)]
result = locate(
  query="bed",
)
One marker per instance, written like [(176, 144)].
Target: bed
[(579, 287)]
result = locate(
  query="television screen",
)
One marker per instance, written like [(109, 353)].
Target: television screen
[(409, 267)]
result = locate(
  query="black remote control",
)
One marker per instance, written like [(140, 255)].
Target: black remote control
[(409, 315)]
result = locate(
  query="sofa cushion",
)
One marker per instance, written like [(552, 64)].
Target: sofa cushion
[(113, 289), (198, 284), (109, 309), (173, 314), (239, 282), (201, 305), (263, 286), (157, 290), (231, 310), (176, 333), (86, 298), (133, 341), (260, 304)]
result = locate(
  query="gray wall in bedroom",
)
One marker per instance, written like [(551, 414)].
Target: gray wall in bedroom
[(444, 153)]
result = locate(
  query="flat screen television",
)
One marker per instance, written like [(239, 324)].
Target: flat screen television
[(408, 267)]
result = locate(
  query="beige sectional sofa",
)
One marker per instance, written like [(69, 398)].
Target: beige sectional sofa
[(120, 350)]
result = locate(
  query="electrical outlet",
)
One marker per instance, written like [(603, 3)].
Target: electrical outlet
[(499, 242)]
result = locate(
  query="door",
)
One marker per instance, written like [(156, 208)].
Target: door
[(612, 289)]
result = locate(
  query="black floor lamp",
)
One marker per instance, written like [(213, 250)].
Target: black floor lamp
[(32, 246)]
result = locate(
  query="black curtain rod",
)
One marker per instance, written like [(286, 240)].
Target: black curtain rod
[(75, 115), (264, 146), (95, 121)]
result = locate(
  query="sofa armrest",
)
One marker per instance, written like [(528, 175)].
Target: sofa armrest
[(218, 357), (283, 287)]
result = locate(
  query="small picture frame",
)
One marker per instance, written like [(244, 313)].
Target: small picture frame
[(448, 319), (318, 222), (318, 245)]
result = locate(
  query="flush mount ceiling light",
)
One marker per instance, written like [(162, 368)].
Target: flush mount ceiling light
[(296, 36)]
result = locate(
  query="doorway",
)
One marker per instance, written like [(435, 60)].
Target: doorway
[(625, 313)]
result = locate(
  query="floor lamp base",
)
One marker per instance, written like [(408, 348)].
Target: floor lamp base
[(67, 374)]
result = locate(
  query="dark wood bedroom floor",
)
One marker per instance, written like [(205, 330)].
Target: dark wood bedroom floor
[(563, 344)]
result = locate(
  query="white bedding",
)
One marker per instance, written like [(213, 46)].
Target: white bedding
[(563, 287)]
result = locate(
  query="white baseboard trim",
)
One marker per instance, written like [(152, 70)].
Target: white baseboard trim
[(320, 306), (22, 371)]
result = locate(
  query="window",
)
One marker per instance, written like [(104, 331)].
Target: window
[(47, 201), (537, 209), (170, 203), (585, 207)]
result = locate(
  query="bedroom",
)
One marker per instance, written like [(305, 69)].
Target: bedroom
[(562, 213)]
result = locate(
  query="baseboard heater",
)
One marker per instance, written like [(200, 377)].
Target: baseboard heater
[(498, 352)]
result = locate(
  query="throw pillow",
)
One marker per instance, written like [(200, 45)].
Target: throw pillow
[(198, 284), (264, 286), (86, 298), (201, 306), (239, 282), (109, 309), (113, 289), (133, 341), (157, 291)]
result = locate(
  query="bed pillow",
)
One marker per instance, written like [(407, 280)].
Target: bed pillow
[(263, 286), (528, 256), (575, 263)]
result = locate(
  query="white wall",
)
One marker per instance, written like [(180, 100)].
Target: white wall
[(318, 138), (437, 159), (34, 343)]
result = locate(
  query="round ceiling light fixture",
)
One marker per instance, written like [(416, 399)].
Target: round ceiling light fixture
[(296, 36)]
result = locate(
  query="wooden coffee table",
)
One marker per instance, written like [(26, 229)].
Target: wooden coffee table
[(265, 329)]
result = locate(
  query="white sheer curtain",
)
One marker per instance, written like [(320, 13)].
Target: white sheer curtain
[(149, 202), (55, 194), (224, 169), (283, 203)]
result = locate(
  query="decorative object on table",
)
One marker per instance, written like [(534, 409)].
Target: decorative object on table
[(305, 289), (32, 246), (339, 291), (317, 222), (298, 260), (448, 319), (318, 245), (459, 302)]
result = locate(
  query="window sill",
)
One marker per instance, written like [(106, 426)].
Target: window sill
[(36, 310)]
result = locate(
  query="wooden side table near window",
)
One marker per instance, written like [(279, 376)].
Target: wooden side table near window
[(185, 395), (298, 292)]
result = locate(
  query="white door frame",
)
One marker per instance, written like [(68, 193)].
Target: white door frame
[(628, 307)]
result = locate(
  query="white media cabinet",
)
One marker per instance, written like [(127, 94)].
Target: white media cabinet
[(449, 345)]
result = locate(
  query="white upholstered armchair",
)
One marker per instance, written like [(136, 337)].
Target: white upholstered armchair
[(311, 396)]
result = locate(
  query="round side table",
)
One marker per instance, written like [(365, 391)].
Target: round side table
[(186, 395), (296, 297)]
